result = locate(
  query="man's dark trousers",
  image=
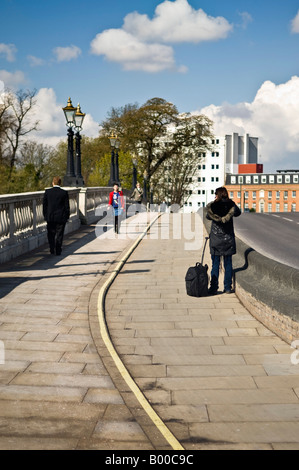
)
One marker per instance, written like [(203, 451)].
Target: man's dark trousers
[(56, 210), (55, 236)]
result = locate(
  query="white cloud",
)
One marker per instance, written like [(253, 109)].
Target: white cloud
[(122, 47), (246, 19), (52, 126), (65, 54), (272, 117), (35, 61), (144, 44), (176, 22), (12, 80), (9, 50), (295, 24)]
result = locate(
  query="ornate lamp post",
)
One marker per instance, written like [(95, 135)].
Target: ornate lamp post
[(112, 179), (69, 112), (145, 186), (134, 182), (117, 145), (79, 117)]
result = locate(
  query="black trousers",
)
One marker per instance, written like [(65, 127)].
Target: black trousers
[(117, 223), (55, 236)]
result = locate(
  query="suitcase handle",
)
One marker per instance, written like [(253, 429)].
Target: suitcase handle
[(204, 248)]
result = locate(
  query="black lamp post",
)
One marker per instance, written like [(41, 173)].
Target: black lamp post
[(70, 177), (117, 144), (112, 179), (134, 182), (145, 186), (79, 117)]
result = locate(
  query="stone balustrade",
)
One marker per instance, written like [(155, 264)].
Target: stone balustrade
[(22, 225)]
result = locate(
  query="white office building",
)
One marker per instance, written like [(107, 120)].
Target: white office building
[(213, 166)]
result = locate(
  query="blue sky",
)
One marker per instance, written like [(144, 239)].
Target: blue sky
[(237, 61)]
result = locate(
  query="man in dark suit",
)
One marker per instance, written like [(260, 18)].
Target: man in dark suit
[(56, 211)]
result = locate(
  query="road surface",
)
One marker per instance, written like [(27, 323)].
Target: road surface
[(275, 235)]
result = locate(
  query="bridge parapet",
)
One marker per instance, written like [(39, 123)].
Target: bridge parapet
[(22, 225), (268, 289)]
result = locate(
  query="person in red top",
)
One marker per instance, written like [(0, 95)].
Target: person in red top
[(117, 203)]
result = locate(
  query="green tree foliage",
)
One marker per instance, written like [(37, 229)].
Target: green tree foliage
[(158, 134), (166, 144)]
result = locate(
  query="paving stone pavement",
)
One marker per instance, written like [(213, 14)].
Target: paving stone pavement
[(217, 377)]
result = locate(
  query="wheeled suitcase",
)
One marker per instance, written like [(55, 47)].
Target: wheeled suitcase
[(197, 279)]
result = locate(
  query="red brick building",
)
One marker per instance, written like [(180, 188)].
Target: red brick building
[(276, 192)]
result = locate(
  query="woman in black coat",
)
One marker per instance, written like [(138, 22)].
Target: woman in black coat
[(222, 238)]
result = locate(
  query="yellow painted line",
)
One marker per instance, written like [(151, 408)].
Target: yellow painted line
[(171, 439)]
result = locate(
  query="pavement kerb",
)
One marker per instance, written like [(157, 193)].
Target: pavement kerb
[(116, 366)]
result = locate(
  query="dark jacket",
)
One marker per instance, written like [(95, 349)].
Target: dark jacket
[(56, 206), (222, 236)]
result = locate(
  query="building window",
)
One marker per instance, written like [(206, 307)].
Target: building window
[(277, 194), (253, 194), (248, 179), (285, 195), (271, 179), (285, 207), (264, 179), (233, 180), (287, 179), (295, 178), (246, 194), (254, 206), (239, 195), (269, 207), (262, 193), (240, 179), (255, 179), (293, 207), (293, 194), (279, 179), (277, 207), (231, 195), (269, 194)]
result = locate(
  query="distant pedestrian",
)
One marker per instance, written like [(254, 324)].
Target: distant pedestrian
[(116, 202), (163, 206), (56, 211), (222, 238), (137, 194)]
